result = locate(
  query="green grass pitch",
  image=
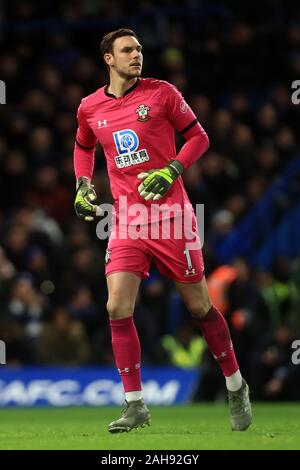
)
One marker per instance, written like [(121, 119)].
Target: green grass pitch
[(205, 426)]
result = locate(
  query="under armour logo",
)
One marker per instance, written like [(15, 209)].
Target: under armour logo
[(222, 355), (103, 123), (190, 272), (124, 371)]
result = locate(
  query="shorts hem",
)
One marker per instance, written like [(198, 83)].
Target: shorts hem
[(187, 280), (137, 273)]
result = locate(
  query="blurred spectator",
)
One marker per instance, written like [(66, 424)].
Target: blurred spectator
[(16, 244), (51, 196), (222, 224), (15, 178), (248, 317), (268, 160), (155, 295), (281, 295), (7, 272), (185, 349), (81, 307), (63, 341), (242, 149), (27, 308), (41, 148), (273, 374), (267, 122), (18, 348), (37, 264)]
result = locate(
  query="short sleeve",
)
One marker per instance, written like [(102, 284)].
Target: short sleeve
[(178, 111)]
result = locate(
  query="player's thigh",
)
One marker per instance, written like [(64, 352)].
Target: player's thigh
[(122, 292), (178, 254), (127, 255), (195, 296)]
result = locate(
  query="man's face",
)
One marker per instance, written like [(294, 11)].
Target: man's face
[(126, 58)]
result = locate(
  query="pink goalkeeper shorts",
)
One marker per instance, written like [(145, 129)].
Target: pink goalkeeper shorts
[(174, 248)]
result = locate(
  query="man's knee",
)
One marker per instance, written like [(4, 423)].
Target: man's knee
[(117, 309), (198, 309)]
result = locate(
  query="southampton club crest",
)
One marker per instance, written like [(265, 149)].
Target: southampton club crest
[(143, 113)]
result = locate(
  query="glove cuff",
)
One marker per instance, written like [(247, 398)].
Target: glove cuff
[(176, 168), (83, 180)]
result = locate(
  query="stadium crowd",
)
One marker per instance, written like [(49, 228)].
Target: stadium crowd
[(234, 62)]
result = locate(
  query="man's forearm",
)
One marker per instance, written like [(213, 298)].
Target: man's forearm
[(196, 145), (83, 160)]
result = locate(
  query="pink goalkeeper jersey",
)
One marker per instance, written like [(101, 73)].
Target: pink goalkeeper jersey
[(136, 132)]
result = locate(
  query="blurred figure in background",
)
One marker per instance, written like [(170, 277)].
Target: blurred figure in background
[(63, 341)]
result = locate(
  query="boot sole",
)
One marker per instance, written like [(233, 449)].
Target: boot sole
[(116, 430)]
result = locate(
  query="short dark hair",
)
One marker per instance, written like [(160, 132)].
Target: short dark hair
[(106, 45)]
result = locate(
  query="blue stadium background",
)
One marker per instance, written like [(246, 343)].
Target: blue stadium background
[(235, 63)]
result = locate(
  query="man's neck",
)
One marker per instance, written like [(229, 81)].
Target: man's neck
[(119, 86)]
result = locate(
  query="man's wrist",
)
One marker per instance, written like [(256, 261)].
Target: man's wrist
[(176, 168), (82, 180)]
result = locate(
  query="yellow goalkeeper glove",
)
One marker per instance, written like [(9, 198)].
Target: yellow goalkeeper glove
[(85, 195), (157, 183)]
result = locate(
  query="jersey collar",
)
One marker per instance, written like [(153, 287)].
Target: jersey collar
[(111, 95)]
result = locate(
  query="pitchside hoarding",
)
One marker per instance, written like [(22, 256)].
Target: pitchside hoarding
[(90, 386)]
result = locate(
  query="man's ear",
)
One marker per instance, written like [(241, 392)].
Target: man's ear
[(108, 58)]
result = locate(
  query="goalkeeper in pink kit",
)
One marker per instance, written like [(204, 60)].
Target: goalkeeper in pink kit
[(134, 120)]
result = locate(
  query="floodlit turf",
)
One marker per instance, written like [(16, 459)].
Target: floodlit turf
[(275, 426)]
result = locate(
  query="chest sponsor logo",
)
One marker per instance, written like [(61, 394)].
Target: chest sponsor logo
[(127, 143), (143, 113)]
